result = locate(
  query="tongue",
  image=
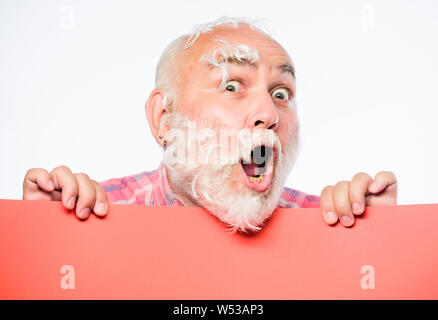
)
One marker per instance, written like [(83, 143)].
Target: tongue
[(251, 169)]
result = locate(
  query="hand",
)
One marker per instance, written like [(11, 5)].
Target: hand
[(74, 190), (347, 199)]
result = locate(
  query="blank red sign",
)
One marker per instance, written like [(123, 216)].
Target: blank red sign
[(141, 252)]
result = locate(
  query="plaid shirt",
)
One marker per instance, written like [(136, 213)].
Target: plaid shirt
[(152, 188)]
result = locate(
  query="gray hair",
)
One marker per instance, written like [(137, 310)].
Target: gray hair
[(167, 68)]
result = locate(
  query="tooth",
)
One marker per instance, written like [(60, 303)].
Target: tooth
[(258, 180)]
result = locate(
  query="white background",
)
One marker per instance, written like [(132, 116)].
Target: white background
[(74, 76)]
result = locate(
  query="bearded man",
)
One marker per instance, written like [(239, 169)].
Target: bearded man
[(225, 115)]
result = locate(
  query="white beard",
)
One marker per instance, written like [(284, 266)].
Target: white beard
[(215, 187)]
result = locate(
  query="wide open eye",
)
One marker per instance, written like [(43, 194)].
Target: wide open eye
[(280, 93), (232, 86)]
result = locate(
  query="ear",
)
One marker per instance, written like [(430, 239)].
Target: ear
[(155, 110)]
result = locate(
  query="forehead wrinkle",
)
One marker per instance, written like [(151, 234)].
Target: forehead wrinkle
[(231, 60), (220, 56), (236, 53), (241, 62)]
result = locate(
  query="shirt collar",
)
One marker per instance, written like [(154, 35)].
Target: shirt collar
[(166, 195)]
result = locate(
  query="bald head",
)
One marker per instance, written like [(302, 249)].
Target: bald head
[(180, 58)]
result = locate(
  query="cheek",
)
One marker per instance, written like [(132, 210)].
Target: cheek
[(287, 124), (215, 115), (199, 106), (209, 109)]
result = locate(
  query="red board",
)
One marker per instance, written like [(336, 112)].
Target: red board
[(140, 252)]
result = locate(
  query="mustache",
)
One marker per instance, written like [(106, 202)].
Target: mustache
[(188, 146)]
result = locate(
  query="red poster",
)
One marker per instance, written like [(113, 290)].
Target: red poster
[(140, 252)]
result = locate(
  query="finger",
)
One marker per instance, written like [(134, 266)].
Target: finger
[(343, 204), (358, 190), (101, 206), (65, 181), (327, 205), (382, 180), (36, 179), (86, 197), (56, 195)]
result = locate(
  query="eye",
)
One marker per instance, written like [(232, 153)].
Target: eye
[(281, 93), (232, 86)]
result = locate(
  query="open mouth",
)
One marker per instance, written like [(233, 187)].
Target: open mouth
[(257, 175)]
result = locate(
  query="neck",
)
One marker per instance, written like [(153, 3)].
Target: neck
[(182, 196)]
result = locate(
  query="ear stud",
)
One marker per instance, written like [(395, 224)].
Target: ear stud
[(164, 144)]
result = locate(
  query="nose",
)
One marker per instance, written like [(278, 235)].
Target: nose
[(263, 114)]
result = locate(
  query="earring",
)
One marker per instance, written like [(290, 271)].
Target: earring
[(164, 144)]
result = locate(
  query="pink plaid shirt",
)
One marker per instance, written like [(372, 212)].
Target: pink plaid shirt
[(152, 188)]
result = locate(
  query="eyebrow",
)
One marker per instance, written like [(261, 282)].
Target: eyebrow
[(284, 67), (287, 68), (237, 61)]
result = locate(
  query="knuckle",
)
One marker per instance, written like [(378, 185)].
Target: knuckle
[(87, 198), (356, 195), (30, 171), (100, 191), (36, 171), (343, 209), (327, 189), (360, 175), (96, 185), (326, 199), (326, 205), (104, 196), (388, 174), (380, 173), (341, 185), (356, 189), (62, 168), (82, 175)]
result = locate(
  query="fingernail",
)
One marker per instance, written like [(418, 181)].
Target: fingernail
[(357, 208), (346, 221), (373, 186), (71, 202), (331, 217), (100, 208), (84, 213)]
